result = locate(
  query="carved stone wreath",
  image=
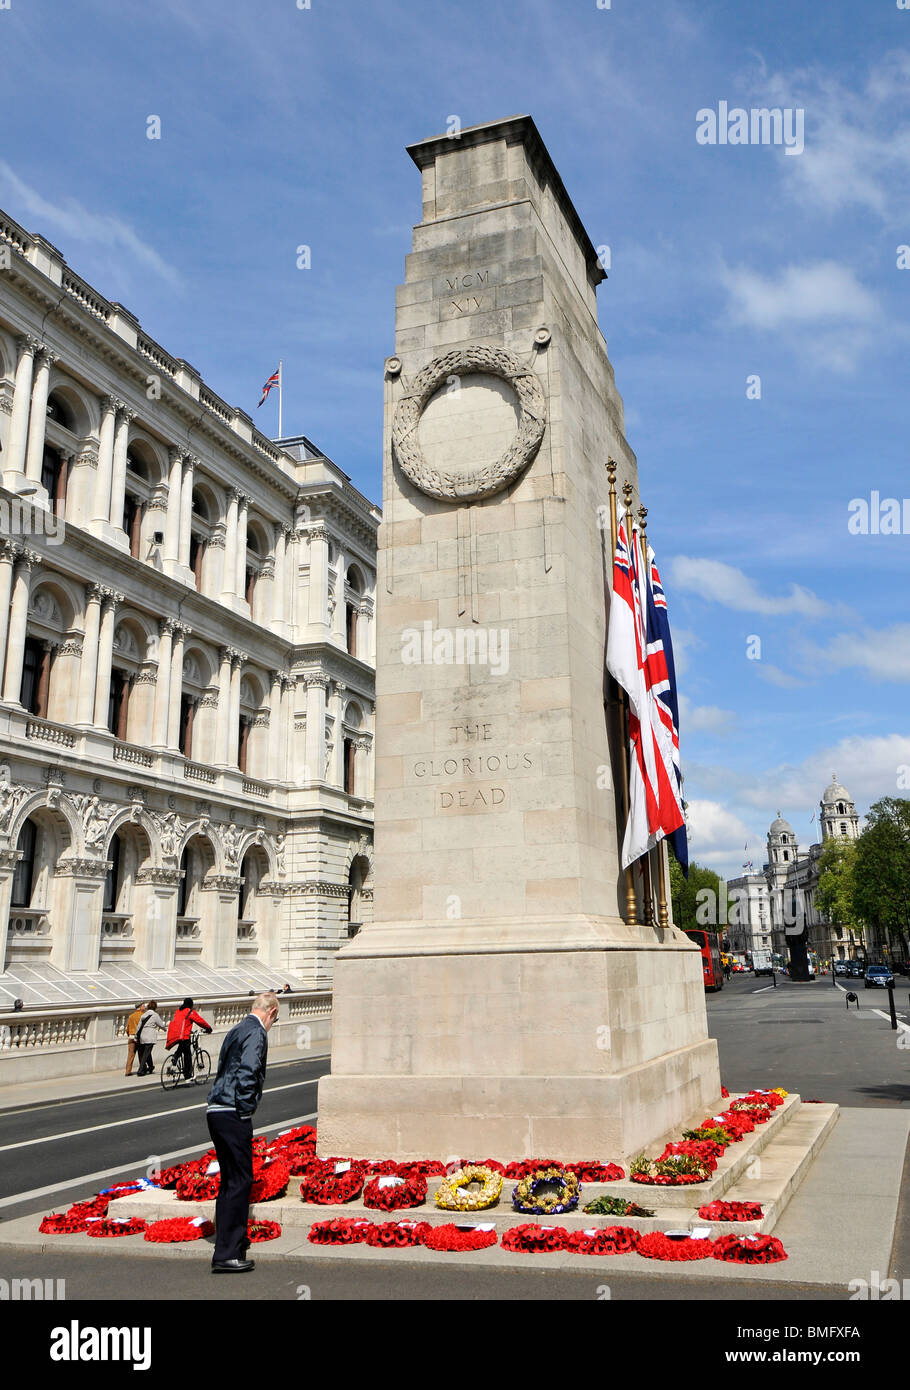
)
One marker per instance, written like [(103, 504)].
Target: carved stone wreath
[(491, 478)]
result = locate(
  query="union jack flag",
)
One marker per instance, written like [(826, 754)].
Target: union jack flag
[(274, 380), (666, 692), (636, 660)]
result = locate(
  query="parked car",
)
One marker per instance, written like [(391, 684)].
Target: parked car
[(878, 976)]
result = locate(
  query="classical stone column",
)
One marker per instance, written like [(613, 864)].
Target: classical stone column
[(101, 509), (34, 458), (222, 735), (318, 595), (163, 685), (118, 472), (186, 508), (88, 666), (336, 770), (14, 458), (315, 726), (243, 511), (7, 560), (172, 522), (338, 618), (288, 688), (280, 580), (109, 601), (362, 748), (237, 660), (229, 580), (18, 623), (173, 710), (364, 613), (275, 727)]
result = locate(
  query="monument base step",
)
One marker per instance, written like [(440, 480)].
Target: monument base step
[(767, 1166)]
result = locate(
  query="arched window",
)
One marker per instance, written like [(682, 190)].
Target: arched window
[(112, 878), (58, 410), (24, 872)]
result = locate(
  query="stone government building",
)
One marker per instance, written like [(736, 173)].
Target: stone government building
[(784, 892), (187, 689)]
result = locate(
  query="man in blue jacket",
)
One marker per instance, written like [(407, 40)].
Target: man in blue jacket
[(231, 1104)]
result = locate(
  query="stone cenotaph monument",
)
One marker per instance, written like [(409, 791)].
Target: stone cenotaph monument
[(499, 1004)]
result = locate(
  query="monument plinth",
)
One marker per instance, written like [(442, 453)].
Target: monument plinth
[(498, 1004)]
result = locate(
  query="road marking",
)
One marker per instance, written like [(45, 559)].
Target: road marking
[(137, 1119), (104, 1095), (166, 1159), (763, 989), (886, 1017)]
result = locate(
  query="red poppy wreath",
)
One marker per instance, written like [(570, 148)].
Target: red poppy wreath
[(342, 1231), (731, 1211), (257, 1231), (532, 1239), (396, 1234), (116, 1226), (178, 1228), (452, 1238), (657, 1246), (749, 1250), (388, 1193), (327, 1188), (611, 1240)]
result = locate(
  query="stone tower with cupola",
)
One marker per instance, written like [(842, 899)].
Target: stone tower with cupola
[(838, 817)]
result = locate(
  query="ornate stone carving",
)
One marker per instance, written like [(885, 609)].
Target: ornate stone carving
[(11, 796), (171, 830), (280, 842), (222, 883), (70, 648), (491, 478), (158, 500), (96, 816), (83, 868), (163, 877), (231, 835)]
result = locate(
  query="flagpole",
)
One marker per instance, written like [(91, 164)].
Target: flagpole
[(647, 900), (663, 915), (280, 387), (631, 903), (642, 598)]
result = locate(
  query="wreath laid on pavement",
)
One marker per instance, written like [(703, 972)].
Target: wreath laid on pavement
[(270, 1178), (759, 1111), (455, 1238), (615, 1206), (493, 1163), (196, 1186), (749, 1250), (257, 1231), (527, 1167), (705, 1150), (178, 1228), (328, 1188), (710, 1133), (454, 1193), (532, 1239), (596, 1172), (341, 1231), (397, 1233), (387, 1193), (657, 1246), (116, 1226), (59, 1223), (612, 1240), (731, 1211), (548, 1190), (678, 1169)]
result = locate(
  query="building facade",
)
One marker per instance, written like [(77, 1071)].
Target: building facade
[(187, 648), (783, 895)]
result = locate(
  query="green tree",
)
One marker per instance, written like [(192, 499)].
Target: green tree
[(882, 867), (692, 907), (835, 895)]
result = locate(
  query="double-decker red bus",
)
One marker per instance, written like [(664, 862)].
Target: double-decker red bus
[(712, 966)]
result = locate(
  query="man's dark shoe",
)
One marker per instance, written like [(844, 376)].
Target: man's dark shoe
[(233, 1266)]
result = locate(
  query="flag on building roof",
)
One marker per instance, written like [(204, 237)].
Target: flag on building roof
[(274, 380)]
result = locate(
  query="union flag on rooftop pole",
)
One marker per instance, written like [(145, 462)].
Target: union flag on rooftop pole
[(654, 809)]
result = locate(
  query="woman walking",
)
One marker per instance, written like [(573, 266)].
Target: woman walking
[(145, 1036)]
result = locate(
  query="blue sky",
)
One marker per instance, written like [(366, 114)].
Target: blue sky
[(284, 126)]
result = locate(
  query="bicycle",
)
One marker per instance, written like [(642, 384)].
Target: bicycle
[(172, 1072)]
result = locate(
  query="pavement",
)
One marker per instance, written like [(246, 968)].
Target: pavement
[(847, 1222)]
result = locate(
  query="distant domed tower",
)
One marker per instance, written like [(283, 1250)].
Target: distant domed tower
[(839, 820), (782, 845)]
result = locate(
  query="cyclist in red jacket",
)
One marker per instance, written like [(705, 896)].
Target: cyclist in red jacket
[(179, 1032)]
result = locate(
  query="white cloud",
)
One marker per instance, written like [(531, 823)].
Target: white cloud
[(799, 296), (716, 835), (705, 718), (767, 671), (76, 221), (725, 584), (884, 653)]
